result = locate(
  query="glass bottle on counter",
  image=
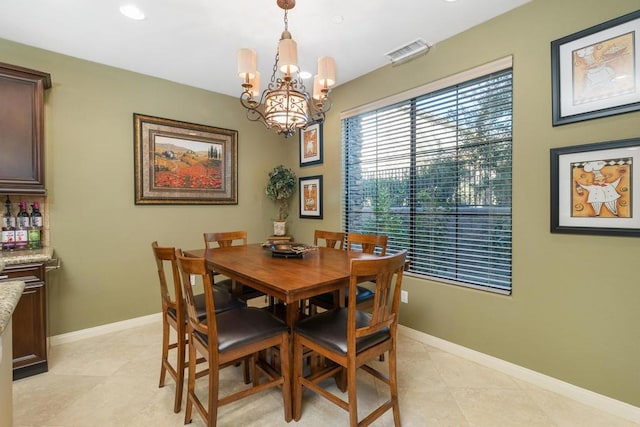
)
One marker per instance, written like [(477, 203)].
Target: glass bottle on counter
[(35, 231), (36, 216), (22, 227), (22, 218), (8, 228)]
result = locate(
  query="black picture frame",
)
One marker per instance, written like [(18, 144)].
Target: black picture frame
[(310, 196), (595, 72), (594, 189), (310, 145)]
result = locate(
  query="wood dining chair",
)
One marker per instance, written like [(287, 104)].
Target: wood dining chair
[(331, 239), (174, 317), (223, 339), (356, 242), (351, 338), (328, 239), (369, 244), (225, 239)]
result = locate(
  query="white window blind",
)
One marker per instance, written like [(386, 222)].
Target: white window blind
[(433, 172)]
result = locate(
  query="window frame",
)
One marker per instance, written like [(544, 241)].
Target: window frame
[(410, 97)]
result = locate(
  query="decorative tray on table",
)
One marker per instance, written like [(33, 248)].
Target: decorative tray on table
[(288, 250)]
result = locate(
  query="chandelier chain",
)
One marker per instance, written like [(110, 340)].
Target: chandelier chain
[(286, 17), (275, 66)]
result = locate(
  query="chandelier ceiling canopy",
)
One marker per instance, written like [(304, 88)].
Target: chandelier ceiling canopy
[(285, 105)]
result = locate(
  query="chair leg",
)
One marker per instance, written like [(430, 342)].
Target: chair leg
[(246, 371), (165, 351), (255, 373), (351, 391), (191, 385), (393, 385), (341, 379), (297, 373), (212, 408), (180, 366), (285, 369)]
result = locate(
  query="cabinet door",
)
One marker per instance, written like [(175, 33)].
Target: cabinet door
[(29, 331), (29, 320), (22, 129)]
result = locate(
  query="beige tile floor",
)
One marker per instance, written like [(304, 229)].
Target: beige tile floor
[(112, 380)]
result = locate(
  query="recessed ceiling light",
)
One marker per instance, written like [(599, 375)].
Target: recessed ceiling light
[(338, 19), (132, 11), (305, 74)]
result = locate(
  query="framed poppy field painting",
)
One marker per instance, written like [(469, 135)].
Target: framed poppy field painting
[(184, 163)]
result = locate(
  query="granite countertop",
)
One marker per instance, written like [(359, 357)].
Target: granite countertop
[(26, 256), (10, 293)]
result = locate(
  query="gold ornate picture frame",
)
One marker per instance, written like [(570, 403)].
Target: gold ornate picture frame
[(184, 163)]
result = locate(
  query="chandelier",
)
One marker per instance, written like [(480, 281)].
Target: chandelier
[(285, 105)]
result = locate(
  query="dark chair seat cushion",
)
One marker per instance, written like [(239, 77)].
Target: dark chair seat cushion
[(362, 294), (330, 330), (247, 291), (223, 300), (238, 328)]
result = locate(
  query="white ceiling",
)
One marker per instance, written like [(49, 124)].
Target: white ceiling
[(195, 41)]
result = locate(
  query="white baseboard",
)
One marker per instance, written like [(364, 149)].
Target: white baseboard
[(599, 401), (604, 403), (104, 329)]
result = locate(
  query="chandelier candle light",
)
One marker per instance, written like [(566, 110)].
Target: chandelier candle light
[(285, 105)]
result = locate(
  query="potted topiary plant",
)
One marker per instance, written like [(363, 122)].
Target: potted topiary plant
[(280, 188)]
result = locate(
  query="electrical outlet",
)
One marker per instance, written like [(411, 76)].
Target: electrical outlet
[(192, 279), (404, 296)]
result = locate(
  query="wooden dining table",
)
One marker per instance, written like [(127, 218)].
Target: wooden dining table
[(290, 280)]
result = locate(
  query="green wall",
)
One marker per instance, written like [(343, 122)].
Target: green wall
[(101, 236), (564, 318)]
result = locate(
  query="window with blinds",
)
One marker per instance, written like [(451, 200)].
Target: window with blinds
[(433, 172)]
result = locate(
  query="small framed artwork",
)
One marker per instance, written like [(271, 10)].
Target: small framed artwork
[(595, 72), (180, 163), (311, 145), (310, 193), (594, 188)]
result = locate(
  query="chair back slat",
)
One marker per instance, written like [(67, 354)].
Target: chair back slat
[(165, 256), (369, 243), (197, 266), (381, 309), (332, 239), (386, 305), (225, 238)]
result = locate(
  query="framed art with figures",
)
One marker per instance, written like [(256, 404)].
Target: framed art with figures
[(310, 193), (594, 188), (311, 145), (595, 72)]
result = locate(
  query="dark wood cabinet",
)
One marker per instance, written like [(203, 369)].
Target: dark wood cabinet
[(29, 320), (22, 129)]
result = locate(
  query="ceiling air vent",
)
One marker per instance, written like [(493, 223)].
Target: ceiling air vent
[(409, 51)]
